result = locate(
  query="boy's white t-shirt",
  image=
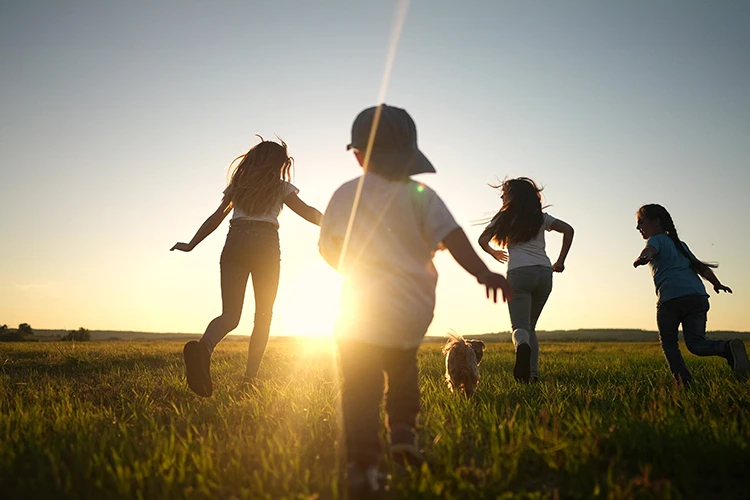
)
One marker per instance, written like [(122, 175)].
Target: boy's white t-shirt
[(389, 280), (530, 253), (271, 215)]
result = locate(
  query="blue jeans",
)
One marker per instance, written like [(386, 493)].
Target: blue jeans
[(692, 312), (362, 367), (531, 288), (251, 248)]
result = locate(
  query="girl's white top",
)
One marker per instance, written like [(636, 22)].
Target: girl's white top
[(530, 253), (271, 215)]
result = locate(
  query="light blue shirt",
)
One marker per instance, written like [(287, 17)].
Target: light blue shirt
[(672, 273)]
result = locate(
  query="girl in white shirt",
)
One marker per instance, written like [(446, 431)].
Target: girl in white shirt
[(258, 189), (519, 226)]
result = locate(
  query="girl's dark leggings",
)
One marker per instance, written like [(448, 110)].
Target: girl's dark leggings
[(251, 249)]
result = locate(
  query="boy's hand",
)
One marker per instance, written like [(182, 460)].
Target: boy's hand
[(721, 288), (558, 267), (493, 281), (182, 247)]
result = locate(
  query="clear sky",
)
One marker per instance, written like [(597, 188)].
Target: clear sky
[(119, 120)]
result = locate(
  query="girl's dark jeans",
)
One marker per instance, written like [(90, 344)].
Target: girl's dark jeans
[(251, 249), (691, 311), (362, 367)]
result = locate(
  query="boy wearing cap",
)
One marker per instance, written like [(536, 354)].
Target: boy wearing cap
[(380, 231)]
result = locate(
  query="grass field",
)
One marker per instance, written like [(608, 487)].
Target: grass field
[(116, 420)]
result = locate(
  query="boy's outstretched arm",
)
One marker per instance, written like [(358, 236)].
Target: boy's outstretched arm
[(567, 232), (458, 245), (711, 277), (302, 209), (208, 227), (646, 256)]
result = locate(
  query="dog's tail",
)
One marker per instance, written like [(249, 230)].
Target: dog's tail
[(453, 340)]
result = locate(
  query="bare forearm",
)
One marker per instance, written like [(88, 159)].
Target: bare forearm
[(484, 243), (460, 248), (710, 276), (208, 227), (647, 254), (313, 215), (566, 244)]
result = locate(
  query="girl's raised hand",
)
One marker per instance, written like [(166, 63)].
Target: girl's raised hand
[(721, 288), (499, 255), (182, 247)]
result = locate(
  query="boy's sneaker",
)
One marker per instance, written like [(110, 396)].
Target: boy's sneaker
[(404, 449), (522, 368), (198, 368), (406, 455), (364, 483), (740, 363)]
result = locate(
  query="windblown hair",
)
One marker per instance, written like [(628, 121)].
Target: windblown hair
[(462, 358), (653, 212), (257, 181), (520, 217)]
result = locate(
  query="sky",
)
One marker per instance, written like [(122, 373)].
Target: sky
[(119, 120)]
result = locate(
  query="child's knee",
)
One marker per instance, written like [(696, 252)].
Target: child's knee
[(668, 339)]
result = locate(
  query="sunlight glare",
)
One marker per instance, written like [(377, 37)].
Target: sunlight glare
[(309, 305)]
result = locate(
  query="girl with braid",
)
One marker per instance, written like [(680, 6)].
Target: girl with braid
[(682, 297)]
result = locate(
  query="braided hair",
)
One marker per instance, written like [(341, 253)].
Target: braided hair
[(654, 211)]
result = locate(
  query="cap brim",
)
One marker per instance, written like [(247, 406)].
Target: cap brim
[(402, 163)]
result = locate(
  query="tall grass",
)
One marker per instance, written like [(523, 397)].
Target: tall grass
[(116, 420)]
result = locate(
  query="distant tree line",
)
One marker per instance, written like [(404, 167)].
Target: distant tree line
[(24, 333)]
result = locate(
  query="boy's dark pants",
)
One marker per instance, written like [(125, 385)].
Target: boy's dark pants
[(362, 366), (692, 312)]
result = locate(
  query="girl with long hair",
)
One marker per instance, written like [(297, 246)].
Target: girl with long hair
[(519, 227), (258, 188), (682, 297)]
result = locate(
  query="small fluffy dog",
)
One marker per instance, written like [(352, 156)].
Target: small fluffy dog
[(462, 358)]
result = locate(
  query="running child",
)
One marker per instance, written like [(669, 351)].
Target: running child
[(681, 295), (257, 191), (380, 231), (519, 226)]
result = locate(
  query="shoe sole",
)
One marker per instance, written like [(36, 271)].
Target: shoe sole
[(198, 375), (406, 455), (741, 364), (522, 368)]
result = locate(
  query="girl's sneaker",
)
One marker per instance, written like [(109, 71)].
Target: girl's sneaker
[(365, 483), (739, 362), (522, 368), (198, 368)]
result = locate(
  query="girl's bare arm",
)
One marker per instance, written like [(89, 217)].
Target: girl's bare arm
[(208, 227), (302, 209), (711, 277), (646, 256), (567, 232), (484, 243)]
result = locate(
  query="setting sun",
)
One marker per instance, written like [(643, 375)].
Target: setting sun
[(309, 304)]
